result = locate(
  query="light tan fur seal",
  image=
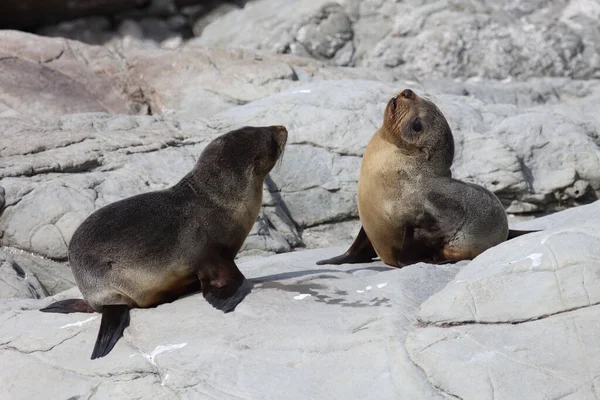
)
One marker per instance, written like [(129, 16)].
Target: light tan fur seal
[(410, 207), (154, 247)]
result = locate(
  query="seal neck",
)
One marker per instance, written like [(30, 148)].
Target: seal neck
[(411, 159)]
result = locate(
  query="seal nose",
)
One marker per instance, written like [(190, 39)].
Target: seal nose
[(409, 94)]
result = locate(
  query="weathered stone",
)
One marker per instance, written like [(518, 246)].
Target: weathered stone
[(499, 320), (457, 38), (53, 277), (297, 326), (16, 281)]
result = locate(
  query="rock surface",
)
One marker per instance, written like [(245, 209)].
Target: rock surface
[(420, 332), (456, 38), (16, 282), (534, 144), (521, 320), (299, 324), (82, 126)]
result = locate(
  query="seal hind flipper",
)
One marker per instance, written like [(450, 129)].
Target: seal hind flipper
[(513, 233), (69, 306), (115, 318), (361, 251), (228, 289)]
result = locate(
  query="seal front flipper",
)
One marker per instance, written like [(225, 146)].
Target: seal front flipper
[(68, 306), (513, 233), (115, 318), (361, 251), (225, 291)]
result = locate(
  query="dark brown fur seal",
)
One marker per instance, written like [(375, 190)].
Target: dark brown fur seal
[(410, 207), (154, 247)]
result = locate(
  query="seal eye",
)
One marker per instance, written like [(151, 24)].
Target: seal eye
[(417, 125), (394, 103)]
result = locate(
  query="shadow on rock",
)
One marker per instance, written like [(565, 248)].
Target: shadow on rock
[(314, 290)]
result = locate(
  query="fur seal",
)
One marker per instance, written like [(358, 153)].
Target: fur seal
[(155, 247), (410, 207)]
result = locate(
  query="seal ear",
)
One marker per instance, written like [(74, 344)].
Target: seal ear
[(425, 151)]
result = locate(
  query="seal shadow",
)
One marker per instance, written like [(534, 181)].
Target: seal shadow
[(296, 274), (317, 290), (276, 194), (304, 286)]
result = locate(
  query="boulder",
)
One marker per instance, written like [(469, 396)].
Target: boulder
[(520, 320), (16, 281), (44, 77), (458, 38), (53, 277)]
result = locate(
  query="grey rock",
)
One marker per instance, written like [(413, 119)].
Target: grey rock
[(257, 26), (90, 160), (509, 138), (458, 38), (16, 281), (499, 320), (44, 77), (324, 33), (512, 361), (300, 323), (533, 143), (53, 277), (554, 269), (329, 235), (509, 148), (127, 77), (177, 23)]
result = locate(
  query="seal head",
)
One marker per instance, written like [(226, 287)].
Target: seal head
[(417, 127)]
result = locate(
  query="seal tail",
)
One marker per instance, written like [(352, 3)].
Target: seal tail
[(115, 318), (361, 251), (512, 233), (68, 306)]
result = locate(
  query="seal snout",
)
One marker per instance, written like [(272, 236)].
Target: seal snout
[(281, 134), (407, 93)]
